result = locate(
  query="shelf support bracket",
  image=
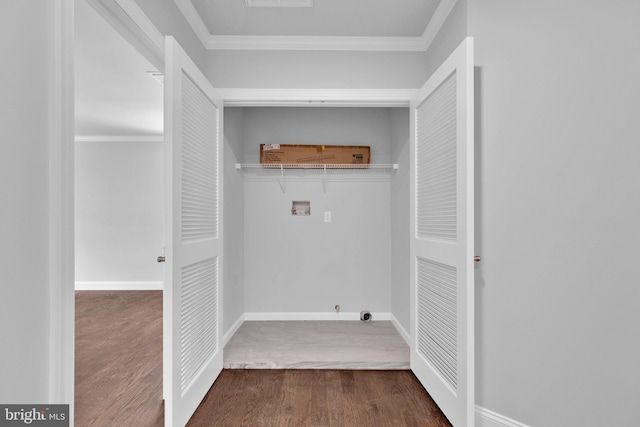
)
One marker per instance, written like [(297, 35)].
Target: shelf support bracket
[(281, 181), (324, 181)]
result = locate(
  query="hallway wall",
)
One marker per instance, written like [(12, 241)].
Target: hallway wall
[(558, 203), (169, 20), (25, 37)]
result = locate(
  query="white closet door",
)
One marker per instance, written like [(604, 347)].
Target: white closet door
[(193, 236), (442, 319)]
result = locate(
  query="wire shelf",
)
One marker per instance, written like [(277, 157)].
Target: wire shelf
[(317, 172), (322, 167)]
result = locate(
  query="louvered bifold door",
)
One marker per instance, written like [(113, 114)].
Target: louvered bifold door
[(193, 240), (442, 331)]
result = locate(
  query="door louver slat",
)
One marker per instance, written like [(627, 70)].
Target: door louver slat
[(437, 317), (436, 164), (198, 318), (199, 179)]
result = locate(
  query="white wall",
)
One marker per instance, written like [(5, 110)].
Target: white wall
[(400, 232), (558, 201), (233, 292), (119, 199), (25, 35), (302, 264)]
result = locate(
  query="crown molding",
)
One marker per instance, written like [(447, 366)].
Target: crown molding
[(279, 97), (193, 18), (279, 3), (134, 25), (119, 138), (334, 43), (317, 43), (142, 21), (437, 21)]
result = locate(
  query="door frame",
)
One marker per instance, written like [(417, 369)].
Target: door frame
[(136, 26), (61, 207)]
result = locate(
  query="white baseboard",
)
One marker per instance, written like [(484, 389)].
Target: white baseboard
[(487, 418), (119, 286), (402, 331), (312, 316), (234, 328)]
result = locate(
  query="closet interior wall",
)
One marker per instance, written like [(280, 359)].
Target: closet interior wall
[(302, 264)]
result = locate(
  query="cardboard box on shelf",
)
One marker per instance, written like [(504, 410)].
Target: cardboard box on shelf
[(277, 154)]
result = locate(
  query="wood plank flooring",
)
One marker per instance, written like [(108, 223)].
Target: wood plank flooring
[(119, 380), (317, 398)]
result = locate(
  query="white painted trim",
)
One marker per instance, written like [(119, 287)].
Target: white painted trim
[(436, 22), (142, 21), (283, 316), (487, 418), (247, 97), (195, 20), (61, 207), (119, 138), (402, 331), (119, 286), (134, 26), (332, 43), (279, 3), (231, 332)]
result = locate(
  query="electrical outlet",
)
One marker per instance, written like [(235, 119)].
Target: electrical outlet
[(327, 216)]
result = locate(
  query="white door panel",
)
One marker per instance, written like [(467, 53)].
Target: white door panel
[(193, 288), (442, 204)]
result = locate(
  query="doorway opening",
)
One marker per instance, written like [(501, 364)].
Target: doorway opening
[(349, 251), (118, 226)]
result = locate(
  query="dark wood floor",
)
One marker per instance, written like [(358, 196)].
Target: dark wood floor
[(119, 380), (317, 398)]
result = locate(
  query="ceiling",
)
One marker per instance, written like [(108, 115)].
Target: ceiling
[(352, 18), (115, 95), (401, 25)]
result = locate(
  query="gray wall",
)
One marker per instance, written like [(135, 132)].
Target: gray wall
[(170, 21), (24, 193), (452, 33), (308, 69), (558, 203), (302, 264), (400, 201), (233, 291), (119, 199), (322, 69)]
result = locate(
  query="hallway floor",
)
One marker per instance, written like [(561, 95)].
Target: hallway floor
[(118, 378)]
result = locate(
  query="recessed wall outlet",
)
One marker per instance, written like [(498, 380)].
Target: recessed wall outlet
[(300, 208), (327, 216)]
